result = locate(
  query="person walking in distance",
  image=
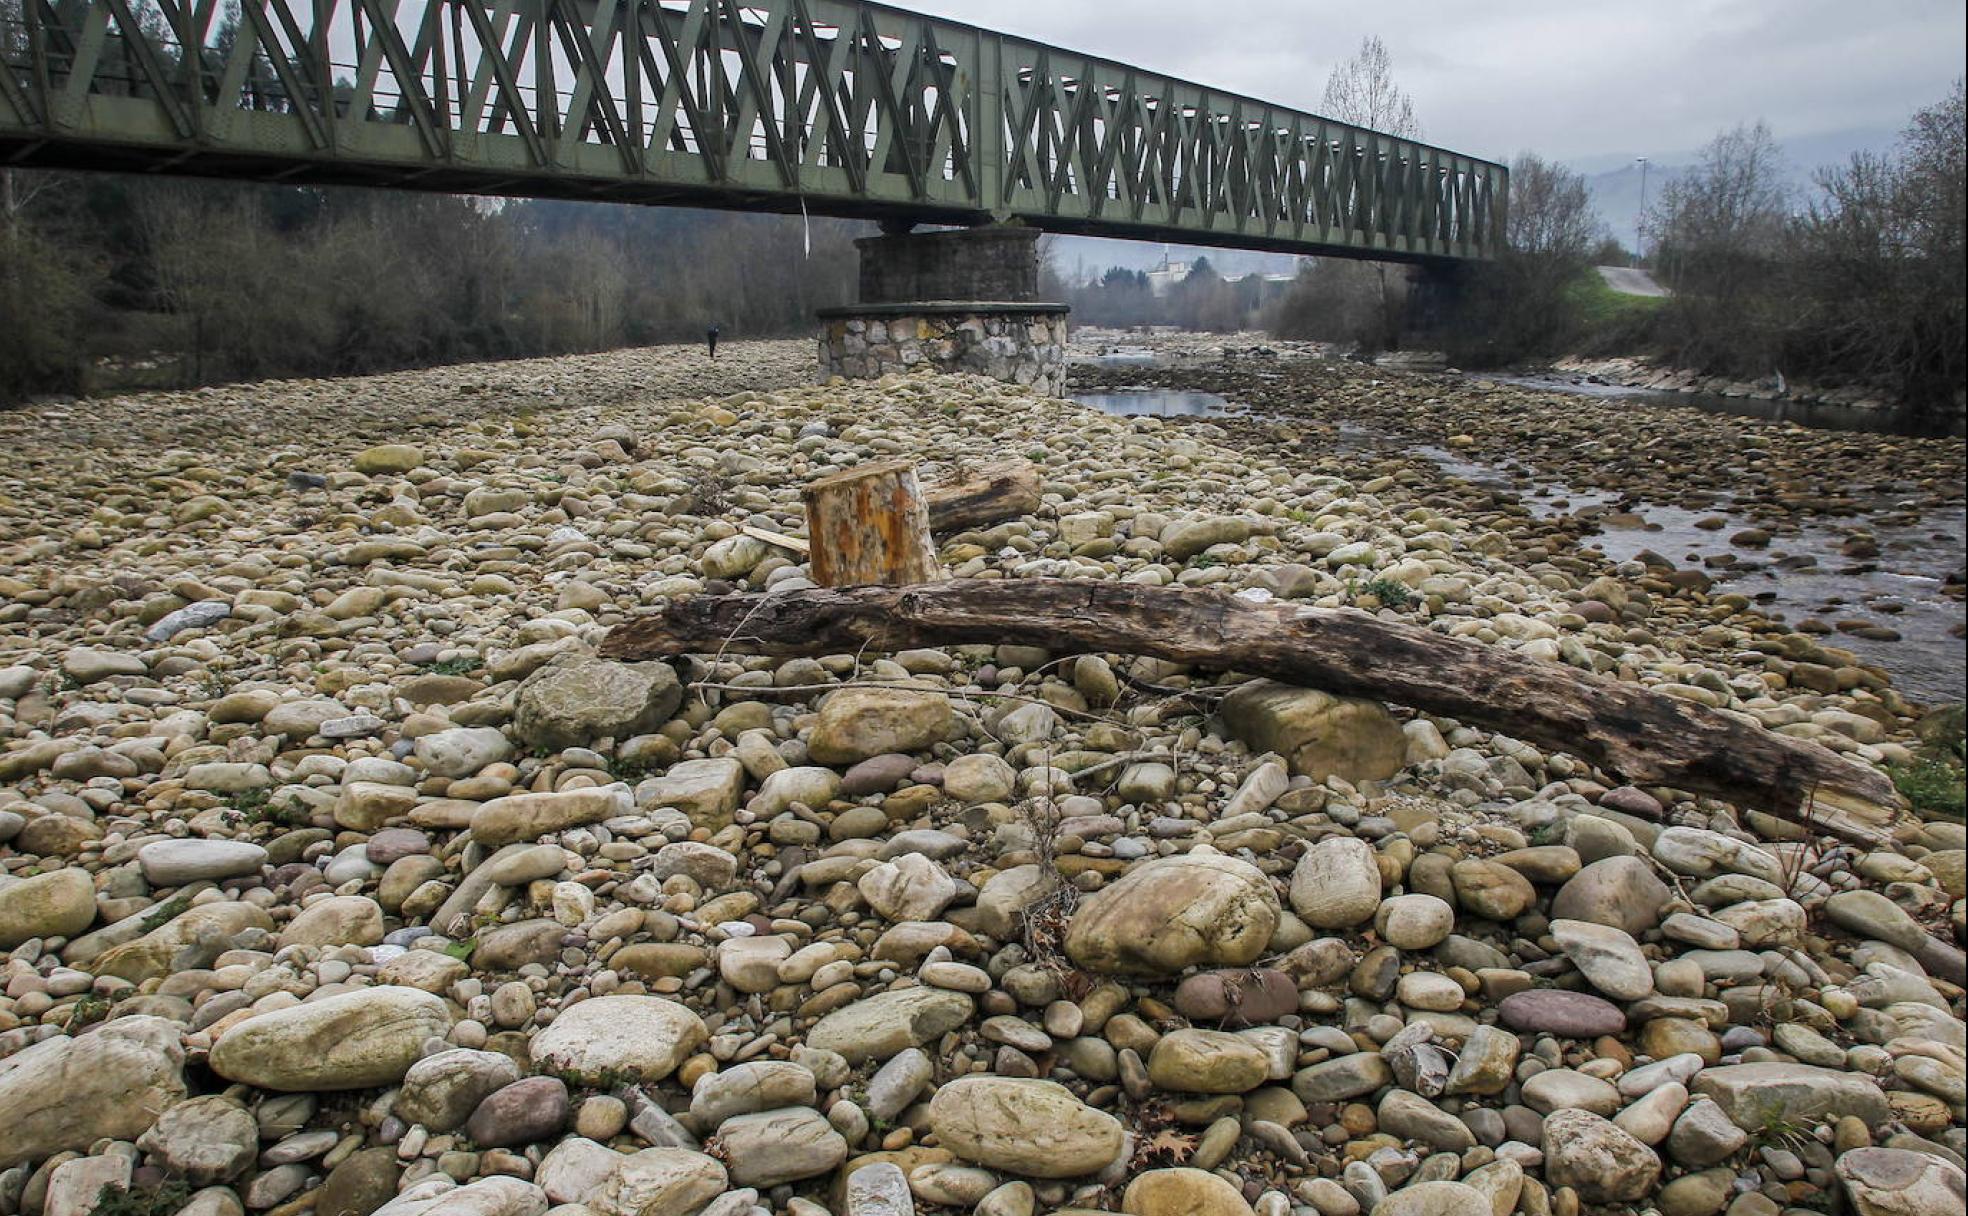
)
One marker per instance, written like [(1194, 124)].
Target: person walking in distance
[(711, 339)]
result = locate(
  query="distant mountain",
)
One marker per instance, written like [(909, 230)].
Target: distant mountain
[(1614, 178), (1075, 256)]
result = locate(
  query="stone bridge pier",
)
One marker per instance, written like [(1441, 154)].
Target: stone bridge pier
[(965, 300), (1435, 296)]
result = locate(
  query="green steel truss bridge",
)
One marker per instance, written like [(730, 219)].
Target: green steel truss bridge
[(834, 107)]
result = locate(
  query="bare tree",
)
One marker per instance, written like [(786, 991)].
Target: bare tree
[(1551, 214), (1522, 305), (1362, 91), (1719, 233), (1877, 270), (1052, 286), (1716, 221), (44, 298)]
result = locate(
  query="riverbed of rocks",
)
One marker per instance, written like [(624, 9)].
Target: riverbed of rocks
[(1554, 469), (339, 874), (1648, 374)]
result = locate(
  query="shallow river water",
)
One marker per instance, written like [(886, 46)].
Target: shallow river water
[(1817, 415), (1800, 575)]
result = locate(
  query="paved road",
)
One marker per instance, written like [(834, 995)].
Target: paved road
[(1630, 281)]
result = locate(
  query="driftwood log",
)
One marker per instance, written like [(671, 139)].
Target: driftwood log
[(870, 524), (995, 492), (1626, 730)]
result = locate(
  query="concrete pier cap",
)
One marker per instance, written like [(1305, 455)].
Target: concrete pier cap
[(957, 300)]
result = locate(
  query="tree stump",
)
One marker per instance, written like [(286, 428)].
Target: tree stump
[(870, 525)]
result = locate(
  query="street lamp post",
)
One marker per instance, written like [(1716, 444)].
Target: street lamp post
[(1640, 216)]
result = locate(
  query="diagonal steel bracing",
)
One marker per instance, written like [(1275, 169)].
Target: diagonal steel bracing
[(843, 107)]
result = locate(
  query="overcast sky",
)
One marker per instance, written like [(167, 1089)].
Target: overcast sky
[(1571, 80)]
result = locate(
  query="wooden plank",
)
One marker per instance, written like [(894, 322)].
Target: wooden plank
[(794, 543)]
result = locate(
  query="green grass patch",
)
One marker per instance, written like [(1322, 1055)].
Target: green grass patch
[(160, 1200), (1599, 306), (1933, 781), (1386, 591), (1934, 787)]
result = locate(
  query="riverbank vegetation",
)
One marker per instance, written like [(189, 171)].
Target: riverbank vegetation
[(1862, 284), (110, 280)]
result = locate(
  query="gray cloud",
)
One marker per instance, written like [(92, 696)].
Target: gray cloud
[(1566, 79)]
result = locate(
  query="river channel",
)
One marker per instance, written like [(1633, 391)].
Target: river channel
[(1886, 606)]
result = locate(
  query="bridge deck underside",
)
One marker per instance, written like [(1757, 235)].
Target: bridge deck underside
[(837, 107)]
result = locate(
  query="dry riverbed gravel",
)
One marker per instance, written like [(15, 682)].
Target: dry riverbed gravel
[(338, 874)]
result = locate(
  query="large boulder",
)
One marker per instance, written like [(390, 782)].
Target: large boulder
[(365, 806), (1623, 892), (174, 863), (1207, 1062), (1436, 1199), (1870, 914), (389, 458), (1182, 1192), (1035, 1128), (157, 953), (575, 1169), (1318, 734), (1759, 1094), (1567, 1014), (855, 724), (659, 1180), (889, 1023), (205, 1140), (911, 887), (784, 1145), (353, 1040), (1176, 912), (705, 790), (60, 903), (462, 751), (1701, 853), (1597, 1159), (361, 1183), (1002, 903), (338, 920), (1490, 889), (67, 1093), (748, 1088), (441, 1091), (1352, 1075), (1336, 884), (575, 700), (518, 817), (498, 1195), (1901, 1182), (1183, 539), (607, 1040), (1609, 958)]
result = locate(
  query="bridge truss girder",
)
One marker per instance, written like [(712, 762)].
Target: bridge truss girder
[(836, 107)]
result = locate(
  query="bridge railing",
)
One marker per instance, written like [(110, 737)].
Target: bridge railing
[(838, 107)]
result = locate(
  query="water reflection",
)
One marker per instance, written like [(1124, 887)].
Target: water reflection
[(1816, 415), (1797, 574), (1156, 402)]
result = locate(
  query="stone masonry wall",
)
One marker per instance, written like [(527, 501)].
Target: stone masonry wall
[(989, 263), (1022, 346)]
